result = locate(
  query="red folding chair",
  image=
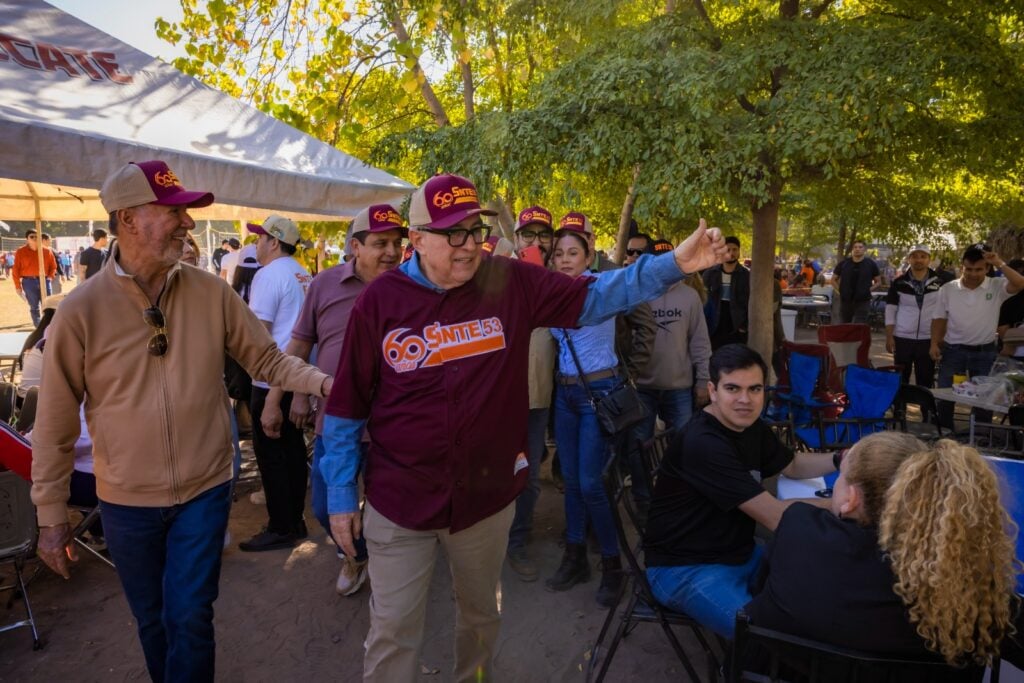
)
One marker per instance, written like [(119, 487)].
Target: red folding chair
[(16, 456), (15, 452), (850, 344), (821, 391)]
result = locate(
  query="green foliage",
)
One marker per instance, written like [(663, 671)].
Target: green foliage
[(891, 117)]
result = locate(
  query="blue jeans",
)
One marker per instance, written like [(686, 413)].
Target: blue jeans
[(318, 494), (957, 360), (168, 560), (583, 452), (709, 593), (522, 523), (30, 285)]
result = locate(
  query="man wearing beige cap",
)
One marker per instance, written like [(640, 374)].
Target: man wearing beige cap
[(278, 290), (430, 346), (375, 241), (139, 343)]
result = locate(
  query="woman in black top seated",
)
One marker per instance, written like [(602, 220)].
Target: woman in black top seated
[(913, 559)]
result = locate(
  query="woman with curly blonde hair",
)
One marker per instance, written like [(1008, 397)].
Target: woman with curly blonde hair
[(916, 556)]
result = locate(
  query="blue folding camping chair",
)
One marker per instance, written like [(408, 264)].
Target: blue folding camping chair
[(802, 392), (869, 396)]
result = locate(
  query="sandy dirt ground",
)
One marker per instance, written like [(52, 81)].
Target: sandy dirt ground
[(279, 619)]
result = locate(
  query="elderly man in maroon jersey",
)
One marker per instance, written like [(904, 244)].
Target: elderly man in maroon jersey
[(429, 345)]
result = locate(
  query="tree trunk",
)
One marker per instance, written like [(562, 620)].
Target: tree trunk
[(761, 311), (506, 220), (624, 218), (841, 244), (784, 223), (429, 96)]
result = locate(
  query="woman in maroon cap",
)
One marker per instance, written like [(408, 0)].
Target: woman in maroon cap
[(582, 448)]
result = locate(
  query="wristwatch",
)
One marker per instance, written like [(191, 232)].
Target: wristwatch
[(837, 458)]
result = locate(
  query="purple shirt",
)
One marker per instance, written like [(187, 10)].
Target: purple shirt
[(421, 365), (325, 314)]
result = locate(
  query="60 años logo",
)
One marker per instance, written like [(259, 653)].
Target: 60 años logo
[(442, 343)]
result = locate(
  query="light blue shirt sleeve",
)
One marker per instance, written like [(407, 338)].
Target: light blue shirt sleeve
[(340, 463), (618, 291)]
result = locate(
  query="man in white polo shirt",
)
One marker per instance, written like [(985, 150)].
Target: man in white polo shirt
[(278, 290), (965, 318)]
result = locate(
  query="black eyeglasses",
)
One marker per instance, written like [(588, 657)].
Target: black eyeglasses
[(154, 317), (635, 252), (458, 237), (530, 235)]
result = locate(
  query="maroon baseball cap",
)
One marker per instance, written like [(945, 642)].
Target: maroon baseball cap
[(576, 222), (148, 182), (534, 214), (443, 201), (379, 218)]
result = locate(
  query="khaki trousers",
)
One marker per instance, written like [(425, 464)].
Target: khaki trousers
[(401, 565)]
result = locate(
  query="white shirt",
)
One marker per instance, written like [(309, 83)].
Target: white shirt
[(278, 290), (971, 314), (228, 263)]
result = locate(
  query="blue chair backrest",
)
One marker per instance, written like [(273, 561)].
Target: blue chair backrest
[(870, 392), (1011, 493), (804, 371)]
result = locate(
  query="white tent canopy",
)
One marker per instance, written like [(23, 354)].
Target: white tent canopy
[(76, 103)]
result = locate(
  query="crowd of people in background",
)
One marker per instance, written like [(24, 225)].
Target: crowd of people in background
[(389, 357)]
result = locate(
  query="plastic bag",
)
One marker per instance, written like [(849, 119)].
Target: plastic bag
[(995, 389)]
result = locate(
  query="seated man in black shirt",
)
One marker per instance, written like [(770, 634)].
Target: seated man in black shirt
[(699, 542)]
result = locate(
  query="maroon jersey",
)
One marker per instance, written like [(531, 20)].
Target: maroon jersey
[(441, 376)]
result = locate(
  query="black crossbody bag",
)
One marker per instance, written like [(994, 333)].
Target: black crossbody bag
[(620, 409)]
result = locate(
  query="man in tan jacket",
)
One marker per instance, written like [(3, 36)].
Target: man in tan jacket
[(142, 345)]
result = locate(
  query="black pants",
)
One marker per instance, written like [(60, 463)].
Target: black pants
[(912, 354), (854, 311), (725, 333), (282, 464)]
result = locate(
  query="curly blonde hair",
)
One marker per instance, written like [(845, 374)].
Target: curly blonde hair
[(948, 538)]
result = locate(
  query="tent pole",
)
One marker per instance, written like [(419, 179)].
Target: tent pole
[(39, 244), (209, 247)]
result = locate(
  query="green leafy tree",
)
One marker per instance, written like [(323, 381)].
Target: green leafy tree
[(873, 108)]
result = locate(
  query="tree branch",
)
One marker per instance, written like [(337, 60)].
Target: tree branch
[(716, 42), (433, 103)]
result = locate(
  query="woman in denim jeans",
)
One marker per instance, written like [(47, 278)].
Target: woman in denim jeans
[(582, 448)]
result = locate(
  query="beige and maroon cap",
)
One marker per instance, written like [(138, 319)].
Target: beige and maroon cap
[(278, 227), (575, 221), (378, 218), (148, 182), (443, 201)]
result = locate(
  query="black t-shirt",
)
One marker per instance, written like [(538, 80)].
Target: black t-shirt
[(855, 279), (218, 254), (93, 259), (708, 471), (1012, 311), (826, 578)]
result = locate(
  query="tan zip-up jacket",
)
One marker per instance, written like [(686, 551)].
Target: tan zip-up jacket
[(159, 425)]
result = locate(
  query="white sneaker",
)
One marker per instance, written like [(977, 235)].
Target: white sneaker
[(351, 577), (258, 497), (227, 539)]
